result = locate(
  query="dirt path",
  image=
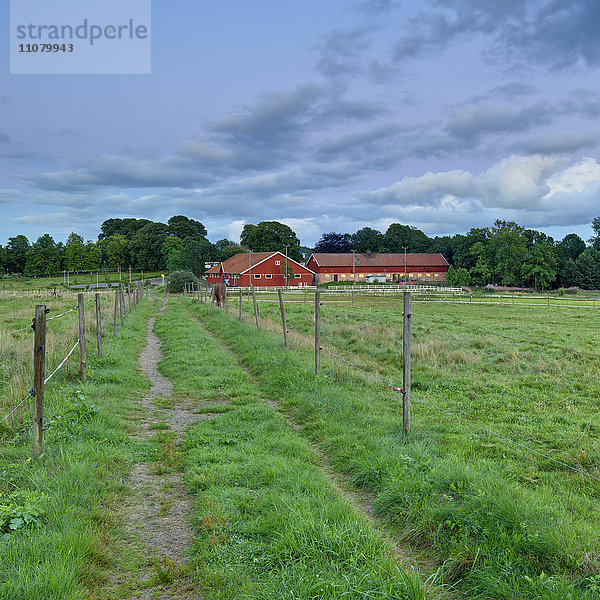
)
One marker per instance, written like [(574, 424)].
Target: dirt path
[(158, 514)]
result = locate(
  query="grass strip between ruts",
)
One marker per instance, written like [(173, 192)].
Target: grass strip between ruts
[(269, 523)]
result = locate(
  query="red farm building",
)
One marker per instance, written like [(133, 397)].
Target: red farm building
[(371, 267), (260, 269)]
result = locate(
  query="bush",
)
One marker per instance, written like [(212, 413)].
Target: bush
[(177, 281)]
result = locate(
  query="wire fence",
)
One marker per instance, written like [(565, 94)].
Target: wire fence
[(393, 386)]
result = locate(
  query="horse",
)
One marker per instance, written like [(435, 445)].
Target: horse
[(219, 294)]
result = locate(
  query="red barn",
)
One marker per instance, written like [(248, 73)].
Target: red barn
[(260, 269), (372, 266)]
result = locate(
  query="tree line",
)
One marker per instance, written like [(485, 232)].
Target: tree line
[(179, 244), (504, 254)]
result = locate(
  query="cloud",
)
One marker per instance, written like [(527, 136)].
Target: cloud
[(478, 121), (535, 191), (556, 143), (516, 182), (4, 138)]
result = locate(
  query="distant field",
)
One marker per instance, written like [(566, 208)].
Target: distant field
[(48, 283)]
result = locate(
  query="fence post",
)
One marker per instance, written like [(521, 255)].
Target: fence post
[(406, 365), (255, 309), (82, 366), (121, 304), (116, 309), (225, 300), (240, 304), (39, 372), (98, 325), (317, 333), (283, 322)]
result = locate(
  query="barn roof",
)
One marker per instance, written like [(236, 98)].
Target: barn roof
[(242, 262), (373, 259)]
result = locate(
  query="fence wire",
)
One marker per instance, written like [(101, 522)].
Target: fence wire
[(455, 416)]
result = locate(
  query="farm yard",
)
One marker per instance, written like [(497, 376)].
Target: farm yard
[(304, 486)]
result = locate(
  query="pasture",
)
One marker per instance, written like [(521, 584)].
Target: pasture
[(332, 500), (499, 520)]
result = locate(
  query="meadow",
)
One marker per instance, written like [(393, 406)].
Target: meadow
[(305, 486), (497, 520)]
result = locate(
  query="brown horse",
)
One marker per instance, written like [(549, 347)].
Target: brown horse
[(219, 294)]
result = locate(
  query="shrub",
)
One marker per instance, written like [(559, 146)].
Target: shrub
[(177, 281)]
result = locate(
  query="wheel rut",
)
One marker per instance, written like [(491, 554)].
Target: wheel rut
[(157, 515)]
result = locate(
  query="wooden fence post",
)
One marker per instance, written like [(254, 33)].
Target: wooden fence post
[(98, 325), (240, 304), (255, 309), (317, 333), (129, 296), (283, 321), (121, 304), (406, 365), (82, 365), (225, 299), (39, 372), (116, 309)]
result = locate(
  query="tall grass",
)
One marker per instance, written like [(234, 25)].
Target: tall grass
[(499, 523), (58, 514)]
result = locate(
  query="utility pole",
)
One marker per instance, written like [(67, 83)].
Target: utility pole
[(286, 267)]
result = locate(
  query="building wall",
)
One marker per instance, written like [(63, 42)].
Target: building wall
[(429, 274), (267, 274)]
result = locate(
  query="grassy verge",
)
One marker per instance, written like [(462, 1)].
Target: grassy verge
[(493, 536), (57, 514), (269, 524)]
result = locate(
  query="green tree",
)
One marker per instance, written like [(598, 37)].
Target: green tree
[(183, 227), (126, 227), (462, 255), (93, 256), (177, 281), (587, 268), (43, 257), (397, 236), (16, 253), (75, 259), (366, 239), (458, 277), (595, 239), (115, 251), (508, 247), (226, 249), (539, 265), (271, 236), (481, 272), (3, 262), (334, 242), (146, 247)]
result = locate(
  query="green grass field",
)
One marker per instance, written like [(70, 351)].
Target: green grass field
[(478, 516), (503, 522)]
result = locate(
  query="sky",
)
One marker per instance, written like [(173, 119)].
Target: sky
[(326, 116)]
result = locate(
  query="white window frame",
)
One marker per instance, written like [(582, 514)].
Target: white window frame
[(277, 262), (297, 275), (256, 276), (268, 276)]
